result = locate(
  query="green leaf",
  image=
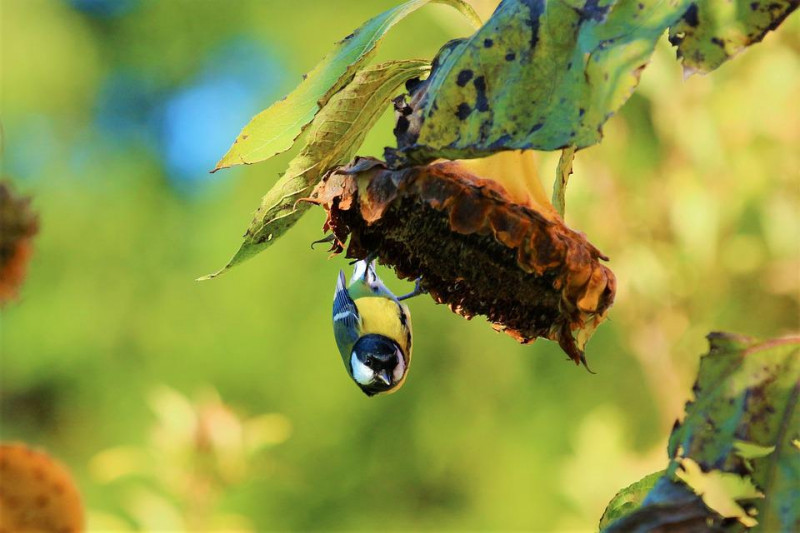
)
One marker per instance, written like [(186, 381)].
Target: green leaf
[(736, 442), (669, 506), (748, 391), (275, 129), (711, 32), (541, 75), (333, 138), (628, 499)]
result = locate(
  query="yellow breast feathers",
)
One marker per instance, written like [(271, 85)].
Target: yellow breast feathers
[(386, 317)]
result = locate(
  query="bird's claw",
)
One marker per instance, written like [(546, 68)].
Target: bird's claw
[(372, 256), (418, 289)]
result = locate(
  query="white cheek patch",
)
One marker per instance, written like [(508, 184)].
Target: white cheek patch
[(361, 372), (399, 369)]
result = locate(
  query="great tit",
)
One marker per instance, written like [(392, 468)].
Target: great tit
[(372, 330)]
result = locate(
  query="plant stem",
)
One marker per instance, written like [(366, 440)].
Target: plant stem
[(562, 177)]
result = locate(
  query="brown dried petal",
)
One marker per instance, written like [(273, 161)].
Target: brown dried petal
[(475, 249), (18, 224)]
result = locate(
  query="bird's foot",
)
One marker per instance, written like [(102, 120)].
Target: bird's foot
[(372, 256), (418, 289)]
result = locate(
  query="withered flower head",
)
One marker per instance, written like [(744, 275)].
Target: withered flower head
[(18, 224), (476, 248), (36, 492)]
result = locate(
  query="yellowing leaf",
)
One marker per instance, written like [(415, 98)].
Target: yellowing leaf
[(275, 129), (711, 32), (720, 490), (751, 450), (333, 138), (516, 172)]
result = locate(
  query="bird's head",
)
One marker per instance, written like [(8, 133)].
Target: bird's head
[(377, 364)]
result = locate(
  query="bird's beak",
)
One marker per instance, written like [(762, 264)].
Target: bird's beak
[(384, 377)]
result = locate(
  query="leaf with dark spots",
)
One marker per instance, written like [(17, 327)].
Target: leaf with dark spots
[(275, 129), (551, 59), (535, 11), (451, 227), (564, 56), (463, 77), (333, 138), (481, 102), (595, 10), (690, 17), (736, 447), (711, 32), (463, 111)]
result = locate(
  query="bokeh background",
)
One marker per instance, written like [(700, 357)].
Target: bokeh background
[(224, 404)]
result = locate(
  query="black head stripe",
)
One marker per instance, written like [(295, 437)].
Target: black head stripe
[(403, 316), (381, 354), (377, 351)]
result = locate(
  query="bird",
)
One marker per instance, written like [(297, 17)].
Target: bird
[(372, 328)]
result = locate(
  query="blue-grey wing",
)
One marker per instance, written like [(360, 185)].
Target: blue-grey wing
[(346, 321)]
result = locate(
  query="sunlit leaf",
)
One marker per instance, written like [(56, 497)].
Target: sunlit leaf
[(333, 138), (516, 172), (275, 129), (711, 32), (720, 491), (541, 75)]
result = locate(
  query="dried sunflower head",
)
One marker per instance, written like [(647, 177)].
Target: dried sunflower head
[(476, 249), (39, 494)]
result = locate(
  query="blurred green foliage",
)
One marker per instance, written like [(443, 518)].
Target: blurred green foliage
[(693, 194)]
